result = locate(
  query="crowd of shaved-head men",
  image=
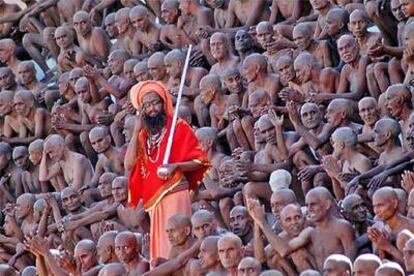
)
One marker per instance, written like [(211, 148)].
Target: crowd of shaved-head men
[(305, 109)]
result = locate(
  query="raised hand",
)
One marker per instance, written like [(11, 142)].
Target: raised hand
[(331, 165), (407, 181), (256, 210), (294, 115), (277, 121)]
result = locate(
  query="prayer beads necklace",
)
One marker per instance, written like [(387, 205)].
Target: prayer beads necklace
[(153, 142)]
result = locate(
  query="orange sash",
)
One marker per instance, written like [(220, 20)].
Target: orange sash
[(144, 182)]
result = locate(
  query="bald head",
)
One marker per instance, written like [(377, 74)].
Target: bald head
[(81, 15), (398, 96), (87, 245), (256, 60), (180, 220), (119, 55), (106, 246), (366, 264), (390, 269), (367, 101), (139, 11), (358, 14), (249, 266), (98, 131), (346, 39), (321, 193), (386, 192), (348, 48), (202, 215), (339, 264), (280, 199), (310, 272), (211, 82), (385, 203), (29, 271), (26, 96), (304, 65), (113, 269), (120, 180), (340, 16), (5, 149), (346, 136), (388, 127), (174, 56), (27, 199), (349, 201), (26, 65), (156, 59), (82, 82), (53, 140), (7, 42), (207, 136), (304, 59), (122, 14), (302, 30), (286, 195), (82, 23), (218, 36)]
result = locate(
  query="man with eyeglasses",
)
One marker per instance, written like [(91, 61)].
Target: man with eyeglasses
[(161, 193)]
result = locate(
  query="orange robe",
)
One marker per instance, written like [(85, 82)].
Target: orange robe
[(164, 198)]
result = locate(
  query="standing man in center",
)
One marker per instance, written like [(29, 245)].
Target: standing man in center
[(166, 193)]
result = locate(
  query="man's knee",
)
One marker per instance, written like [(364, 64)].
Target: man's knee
[(27, 41), (246, 122), (370, 70), (226, 203), (299, 159), (84, 137)]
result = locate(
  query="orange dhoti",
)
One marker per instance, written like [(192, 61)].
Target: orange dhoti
[(172, 204)]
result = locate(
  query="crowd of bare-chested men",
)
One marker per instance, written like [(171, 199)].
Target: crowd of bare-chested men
[(304, 107)]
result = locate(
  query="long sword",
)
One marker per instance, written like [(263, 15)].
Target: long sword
[(162, 170)]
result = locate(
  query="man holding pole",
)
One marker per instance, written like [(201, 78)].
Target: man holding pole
[(162, 183)]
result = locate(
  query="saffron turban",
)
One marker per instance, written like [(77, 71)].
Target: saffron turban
[(139, 90)]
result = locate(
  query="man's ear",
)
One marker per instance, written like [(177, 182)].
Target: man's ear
[(187, 230), (388, 134), (328, 204)]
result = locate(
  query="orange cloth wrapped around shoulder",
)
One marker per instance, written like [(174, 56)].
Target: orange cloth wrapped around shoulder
[(144, 182)]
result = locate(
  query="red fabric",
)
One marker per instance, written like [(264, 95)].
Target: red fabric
[(144, 182)]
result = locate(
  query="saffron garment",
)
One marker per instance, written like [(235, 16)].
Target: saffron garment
[(145, 184), (172, 204)]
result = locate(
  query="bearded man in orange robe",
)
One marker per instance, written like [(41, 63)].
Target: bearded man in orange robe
[(167, 192)]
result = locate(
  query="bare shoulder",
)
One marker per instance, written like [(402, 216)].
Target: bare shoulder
[(200, 71), (291, 137), (78, 157), (329, 72), (342, 226), (98, 32)]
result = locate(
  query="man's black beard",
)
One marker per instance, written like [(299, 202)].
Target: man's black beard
[(155, 123)]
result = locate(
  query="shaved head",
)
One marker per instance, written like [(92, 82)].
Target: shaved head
[(113, 269)]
